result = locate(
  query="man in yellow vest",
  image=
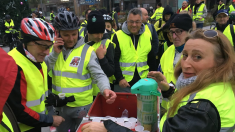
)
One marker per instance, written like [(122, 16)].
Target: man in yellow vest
[(199, 12), (30, 90), (179, 27), (150, 28), (231, 11), (221, 5), (52, 16), (134, 55), (83, 29), (158, 12), (185, 7), (8, 27), (222, 25), (167, 14), (102, 45), (74, 69), (8, 73)]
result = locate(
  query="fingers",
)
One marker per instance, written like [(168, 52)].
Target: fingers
[(127, 84), (85, 127), (63, 119)]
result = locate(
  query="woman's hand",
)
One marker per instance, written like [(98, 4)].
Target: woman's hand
[(94, 127), (160, 79)]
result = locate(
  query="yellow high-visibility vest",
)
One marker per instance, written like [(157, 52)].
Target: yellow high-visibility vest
[(37, 88), (131, 58)]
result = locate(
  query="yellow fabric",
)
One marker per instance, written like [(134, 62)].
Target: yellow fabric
[(228, 34), (113, 12), (51, 17), (158, 13), (222, 96), (96, 90), (186, 9), (9, 25), (82, 34), (156, 26), (84, 22), (219, 6), (165, 46), (112, 34), (199, 13), (231, 9), (7, 122), (129, 55), (36, 83), (166, 62), (66, 83)]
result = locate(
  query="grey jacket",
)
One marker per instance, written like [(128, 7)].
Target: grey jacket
[(204, 14), (93, 66)]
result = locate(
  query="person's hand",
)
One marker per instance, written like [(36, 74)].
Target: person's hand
[(57, 120), (58, 44), (160, 79), (163, 25), (200, 18), (109, 95), (101, 51), (123, 83), (94, 127)]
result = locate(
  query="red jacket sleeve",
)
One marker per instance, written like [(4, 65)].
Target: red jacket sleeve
[(8, 72)]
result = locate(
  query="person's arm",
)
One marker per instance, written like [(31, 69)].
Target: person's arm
[(51, 59), (152, 60), (118, 72), (155, 13), (17, 101), (155, 41), (204, 12), (156, 26), (97, 73), (107, 63)]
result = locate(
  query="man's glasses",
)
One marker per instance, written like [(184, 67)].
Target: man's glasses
[(176, 32), (46, 47), (132, 22)]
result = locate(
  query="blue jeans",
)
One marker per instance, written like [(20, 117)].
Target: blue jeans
[(199, 25)]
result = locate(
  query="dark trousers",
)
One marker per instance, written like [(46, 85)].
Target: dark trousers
[(199, 25)]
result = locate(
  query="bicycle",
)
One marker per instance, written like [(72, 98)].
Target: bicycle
[(15, 40)]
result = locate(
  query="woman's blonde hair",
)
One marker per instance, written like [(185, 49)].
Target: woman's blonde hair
[(223, 71)]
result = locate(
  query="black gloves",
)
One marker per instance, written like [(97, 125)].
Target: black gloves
[(54, 100)]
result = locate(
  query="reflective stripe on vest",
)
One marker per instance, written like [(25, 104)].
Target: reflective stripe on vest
[(9, 25), (38, 101), (105, 42), (166, 62), (221, 95), (199, 12), (81, 32), (231, 9), (159, 13), (72, 77), (130, 57), (219, 6), (5, 125), (37, 88)]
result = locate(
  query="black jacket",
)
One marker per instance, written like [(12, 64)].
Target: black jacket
[(135, 38)]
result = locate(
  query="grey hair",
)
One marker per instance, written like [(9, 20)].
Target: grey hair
[(135, 11)]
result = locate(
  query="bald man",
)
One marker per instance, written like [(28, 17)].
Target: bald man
[(184, 7), (150, 28)]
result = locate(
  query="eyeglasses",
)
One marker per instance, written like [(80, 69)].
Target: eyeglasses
[(176, 32), (212, 34), (132, 22), (45, 47)]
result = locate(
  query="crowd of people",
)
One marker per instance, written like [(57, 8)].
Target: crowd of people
[(52, 78)]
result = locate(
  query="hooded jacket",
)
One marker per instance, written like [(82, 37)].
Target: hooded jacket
[(135, 38), (167, 10)]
